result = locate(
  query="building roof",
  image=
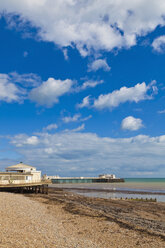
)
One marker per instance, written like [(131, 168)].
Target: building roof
[(20, 166)]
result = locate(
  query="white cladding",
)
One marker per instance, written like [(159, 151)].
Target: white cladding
[(20, 174)]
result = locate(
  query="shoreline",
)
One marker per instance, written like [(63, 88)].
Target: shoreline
[(112, 191), (125, 212)]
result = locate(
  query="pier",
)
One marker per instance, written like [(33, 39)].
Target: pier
[(110, 178), (86, 180), (22, 178), (37, 188)]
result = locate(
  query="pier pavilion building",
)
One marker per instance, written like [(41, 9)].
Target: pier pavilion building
[(20, 174)]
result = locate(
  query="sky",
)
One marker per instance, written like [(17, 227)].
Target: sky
[(82, 86)]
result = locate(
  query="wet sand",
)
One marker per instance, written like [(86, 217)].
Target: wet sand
[(134, 186), (64, 219), (85, 190)]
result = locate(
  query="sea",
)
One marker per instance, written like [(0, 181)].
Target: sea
[(132, 188)]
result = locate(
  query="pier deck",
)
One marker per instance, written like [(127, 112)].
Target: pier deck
[(86, 180), (40, 187)]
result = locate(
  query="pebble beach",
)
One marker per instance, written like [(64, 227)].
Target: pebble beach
[(39, 221)]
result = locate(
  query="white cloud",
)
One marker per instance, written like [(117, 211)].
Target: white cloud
[(159, 44), (131, 123), (86, 118), (78, 129), (26, 80), (65, 52), (48, 92), (60, 152), (50, 127), (9, 92), (99, 64), (16, 87), (85, 102), (73, 118), (161, 111), (132, 94), (33, 140), (89, 84), (89, 25), (22, 139)]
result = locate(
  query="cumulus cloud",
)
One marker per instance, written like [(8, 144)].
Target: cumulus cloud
[(18, 87), (85, 102), (22, 140), (48, 92), (14, 86), (99, 64), (9, 92), (77, 153), (131, 123), (159, 44), (133, 94), (26, 80), (87, 25), (50, 127)]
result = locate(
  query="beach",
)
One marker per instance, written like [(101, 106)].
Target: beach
[(64, 219)]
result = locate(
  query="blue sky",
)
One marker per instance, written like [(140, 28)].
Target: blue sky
[(82, 86)]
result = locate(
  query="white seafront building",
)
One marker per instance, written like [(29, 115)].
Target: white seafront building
[(110, 176), (20, 174)]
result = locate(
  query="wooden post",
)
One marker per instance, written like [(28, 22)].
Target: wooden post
[(42, 189), (47, 189), (35, 189)]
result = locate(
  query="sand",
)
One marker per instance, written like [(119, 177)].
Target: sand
[(62, 220)]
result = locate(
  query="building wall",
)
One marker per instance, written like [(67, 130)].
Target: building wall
[(18, 178), (36, 176)]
